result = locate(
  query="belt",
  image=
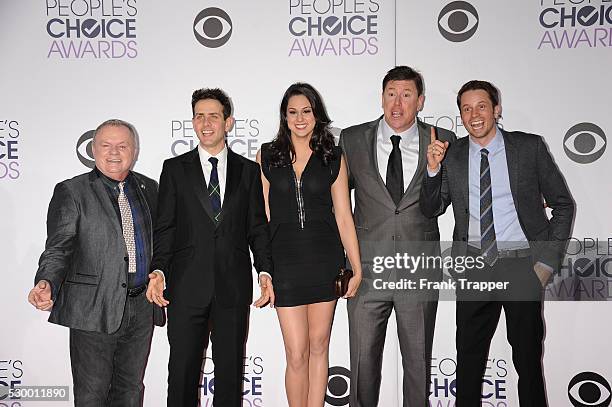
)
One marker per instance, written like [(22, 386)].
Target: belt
[(505, 254), (136, 291)]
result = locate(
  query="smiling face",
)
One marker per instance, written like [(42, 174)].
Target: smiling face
[(114, 151), (401, 102), (479, 116), (300, 116), (210, 126)]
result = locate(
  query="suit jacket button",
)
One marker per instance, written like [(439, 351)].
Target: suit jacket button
[(123, 285), (396, 212), (126, 258), (463, 238)]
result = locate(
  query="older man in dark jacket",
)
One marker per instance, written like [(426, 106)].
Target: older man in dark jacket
[(93, 273)]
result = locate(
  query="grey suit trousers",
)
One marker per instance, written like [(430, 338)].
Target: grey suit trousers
[(368, 314)]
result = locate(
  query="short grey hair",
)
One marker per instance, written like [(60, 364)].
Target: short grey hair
[(117, 123)]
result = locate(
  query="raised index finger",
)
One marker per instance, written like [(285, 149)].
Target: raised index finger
[(434, 134)]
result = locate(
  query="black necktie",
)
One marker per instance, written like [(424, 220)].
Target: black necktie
[(214, 190), (488, 241), (395, 173)]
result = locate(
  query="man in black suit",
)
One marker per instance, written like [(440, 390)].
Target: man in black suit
[(496, 181), (211, 210), (94, 270)]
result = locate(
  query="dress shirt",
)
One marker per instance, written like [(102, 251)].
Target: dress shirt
[(508, 231), (141, 226), (221, 167), (409, 146)]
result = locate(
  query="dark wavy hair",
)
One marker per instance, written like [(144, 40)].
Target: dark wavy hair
[(282, 152), (215, 94)]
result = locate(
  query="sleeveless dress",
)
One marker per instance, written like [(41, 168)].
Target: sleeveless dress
[(306, 249)]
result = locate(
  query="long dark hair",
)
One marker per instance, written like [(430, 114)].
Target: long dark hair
[(282, 152)]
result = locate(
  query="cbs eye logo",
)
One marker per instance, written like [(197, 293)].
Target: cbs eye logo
[(84, 149), (212, 27), (584, 143), (458, 21), (338, 385), (588, 389)]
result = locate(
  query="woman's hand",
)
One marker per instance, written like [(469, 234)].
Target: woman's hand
[(267, 292), (353, 286)]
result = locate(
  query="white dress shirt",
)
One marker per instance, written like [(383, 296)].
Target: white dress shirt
[(221, 167), (409, 146)]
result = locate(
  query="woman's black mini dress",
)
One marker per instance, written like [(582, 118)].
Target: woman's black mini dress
[(306, 248)]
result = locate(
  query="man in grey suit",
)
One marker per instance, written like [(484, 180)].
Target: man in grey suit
[(496, 180), (386, 162), (94, 270)]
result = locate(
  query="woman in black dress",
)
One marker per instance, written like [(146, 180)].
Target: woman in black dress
[(305, 184)]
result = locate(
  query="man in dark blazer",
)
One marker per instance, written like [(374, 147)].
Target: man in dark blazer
[(94, 270), (211, 211), (386, 162), (498, 182)]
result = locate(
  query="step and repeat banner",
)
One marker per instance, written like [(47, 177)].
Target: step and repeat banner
[(68, 65)]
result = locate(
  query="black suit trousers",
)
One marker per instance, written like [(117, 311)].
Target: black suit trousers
[(477, 319), (188, 332)]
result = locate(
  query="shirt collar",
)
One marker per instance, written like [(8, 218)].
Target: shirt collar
[(205, 155), (493, 147), (407, 134), (109, 182)]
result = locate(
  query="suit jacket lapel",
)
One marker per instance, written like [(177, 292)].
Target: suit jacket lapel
[(512, 159), (463, 165), (193, 170), (105, 202), (372, 140), (144, 198), (234, 170), (417, 177)]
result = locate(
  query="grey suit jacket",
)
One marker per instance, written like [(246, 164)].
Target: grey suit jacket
[(384, 229), (533, 175), (85, 253)]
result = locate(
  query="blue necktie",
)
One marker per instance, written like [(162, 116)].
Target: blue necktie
[(214, 190), (488, 241)]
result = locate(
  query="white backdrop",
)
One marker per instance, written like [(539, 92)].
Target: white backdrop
[(67, 65)]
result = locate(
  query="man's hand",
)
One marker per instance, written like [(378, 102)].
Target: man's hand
[(155, 290), (40, 296), (353, 286), (543, 273), (435, 152), (267, 292)]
